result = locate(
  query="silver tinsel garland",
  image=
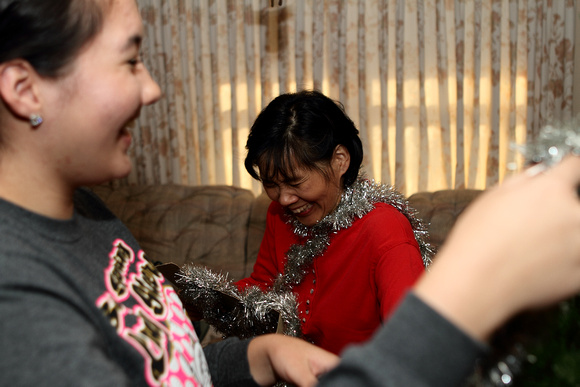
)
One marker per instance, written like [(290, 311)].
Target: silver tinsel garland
[(243, 314), (257, 312), (357, 201), (552, 144)]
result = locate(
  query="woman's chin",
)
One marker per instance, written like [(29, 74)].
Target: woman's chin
[(123, 169), (120, 172), (309, 220)]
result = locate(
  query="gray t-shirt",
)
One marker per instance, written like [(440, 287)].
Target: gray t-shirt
[(80, 305)]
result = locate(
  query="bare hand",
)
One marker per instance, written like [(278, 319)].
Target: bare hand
[(516, 247), (277, 357)]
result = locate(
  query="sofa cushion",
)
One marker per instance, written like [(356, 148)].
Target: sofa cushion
[(440, 210), (204, 225)]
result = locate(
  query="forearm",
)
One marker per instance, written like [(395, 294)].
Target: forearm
[(260, 363), (265, 269), (465, 294), (396, 272)]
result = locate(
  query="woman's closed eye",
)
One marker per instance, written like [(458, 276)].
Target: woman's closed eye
[(296, 183), (133, 62)]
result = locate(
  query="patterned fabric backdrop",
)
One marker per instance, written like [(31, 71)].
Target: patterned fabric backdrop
[(438, 88)]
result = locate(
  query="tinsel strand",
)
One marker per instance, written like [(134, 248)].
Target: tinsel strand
[(357, 201), (552, 144), (252, 314)]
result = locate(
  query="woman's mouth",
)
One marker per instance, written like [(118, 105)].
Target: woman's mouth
[(303, 210), (124, 131), (125, 136)]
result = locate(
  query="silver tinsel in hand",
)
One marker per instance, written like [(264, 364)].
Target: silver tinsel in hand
[(233, 313), (552, 144)]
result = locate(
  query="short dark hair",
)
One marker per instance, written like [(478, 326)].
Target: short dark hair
[(301, 130), (48, 33)]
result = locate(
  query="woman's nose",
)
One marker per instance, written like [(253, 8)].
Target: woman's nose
[(286, 197), (151, 90)]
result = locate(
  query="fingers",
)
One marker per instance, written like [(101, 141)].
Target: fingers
[(568, 169), (303, 363), (275, 356), (322, 361)]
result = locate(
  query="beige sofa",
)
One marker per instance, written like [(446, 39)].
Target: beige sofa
[(217, 226), (440, 209), (221, 226)]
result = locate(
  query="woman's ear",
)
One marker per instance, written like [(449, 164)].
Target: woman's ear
[(18, 88), (340, 160)]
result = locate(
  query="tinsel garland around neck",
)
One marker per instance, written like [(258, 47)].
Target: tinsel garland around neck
[(357, 200), (251, 312)]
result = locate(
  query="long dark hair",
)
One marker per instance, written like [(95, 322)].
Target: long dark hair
[(48, 33), (301, 130)]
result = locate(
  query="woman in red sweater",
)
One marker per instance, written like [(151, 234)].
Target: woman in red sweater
[(339, 250), (345, 247)]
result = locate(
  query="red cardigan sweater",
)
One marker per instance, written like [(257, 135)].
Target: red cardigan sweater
[(355, 284)]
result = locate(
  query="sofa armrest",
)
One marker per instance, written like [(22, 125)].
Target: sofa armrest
[(205, 225), (440, 209)]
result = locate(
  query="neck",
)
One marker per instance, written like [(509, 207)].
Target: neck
[(35, 190)]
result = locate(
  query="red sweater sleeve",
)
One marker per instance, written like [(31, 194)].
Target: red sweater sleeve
[(270, 257), (399, 263)]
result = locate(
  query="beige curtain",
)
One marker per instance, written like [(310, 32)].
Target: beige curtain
[(439, 89)]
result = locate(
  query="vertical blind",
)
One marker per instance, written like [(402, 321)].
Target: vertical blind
[(439, 89)]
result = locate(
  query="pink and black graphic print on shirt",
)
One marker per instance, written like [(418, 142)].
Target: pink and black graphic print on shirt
[(147, 313)]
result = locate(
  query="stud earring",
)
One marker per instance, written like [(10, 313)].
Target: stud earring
[(35, 120)]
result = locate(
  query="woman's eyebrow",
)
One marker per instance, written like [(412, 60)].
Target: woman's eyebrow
[(294, 179), (132, 42)]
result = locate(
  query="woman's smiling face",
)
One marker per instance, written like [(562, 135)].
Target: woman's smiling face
[(91, 106), (309, 193)]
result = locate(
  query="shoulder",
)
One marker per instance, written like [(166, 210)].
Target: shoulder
[(277, 219), (276, 211), (384, 214), (386, 223), (275, 207)]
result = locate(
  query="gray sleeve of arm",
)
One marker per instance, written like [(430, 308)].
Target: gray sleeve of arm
[(228, 363), (416, 347)]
